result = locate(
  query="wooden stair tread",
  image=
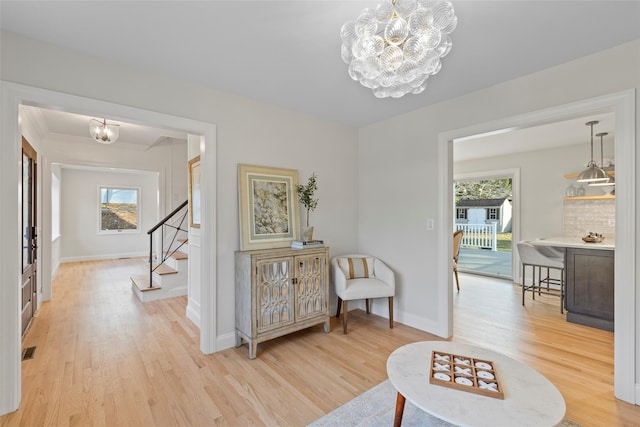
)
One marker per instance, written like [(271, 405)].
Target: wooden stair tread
[(163, 269), (142, 283), (183, 240), (179, 255)]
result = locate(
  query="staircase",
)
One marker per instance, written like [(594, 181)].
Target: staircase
[(167, 275)]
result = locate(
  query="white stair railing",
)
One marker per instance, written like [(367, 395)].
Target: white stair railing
[(479, 235)]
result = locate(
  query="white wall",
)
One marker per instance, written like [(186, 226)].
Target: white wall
[(248, 131), (168, 161), (81, 240), (394, 205), (375, 197)]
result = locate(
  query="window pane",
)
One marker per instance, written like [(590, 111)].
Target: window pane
[(118, 209)]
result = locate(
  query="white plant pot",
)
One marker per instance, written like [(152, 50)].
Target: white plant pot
[(306, 233)]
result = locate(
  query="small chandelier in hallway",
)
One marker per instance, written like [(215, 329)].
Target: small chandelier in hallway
[(103, 132)]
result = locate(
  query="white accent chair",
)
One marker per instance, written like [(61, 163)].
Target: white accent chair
[(538, 258), (380, 283)]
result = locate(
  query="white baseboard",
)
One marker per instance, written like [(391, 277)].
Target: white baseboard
[(226, 341), (637, 394), (54, 269), (103, 257), (381, 308), (193, 312), (417, 322)]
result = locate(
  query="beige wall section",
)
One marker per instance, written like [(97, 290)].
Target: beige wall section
[(248, 131)]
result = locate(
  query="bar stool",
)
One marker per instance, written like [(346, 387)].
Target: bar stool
[(531, 256)]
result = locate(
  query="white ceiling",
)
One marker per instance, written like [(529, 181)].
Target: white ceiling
[(554, 135), (75, 128), (287, 53)]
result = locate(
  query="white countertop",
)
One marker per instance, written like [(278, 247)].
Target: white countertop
[(575, 242)]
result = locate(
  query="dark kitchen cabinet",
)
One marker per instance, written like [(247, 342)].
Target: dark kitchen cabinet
[(590, 278)]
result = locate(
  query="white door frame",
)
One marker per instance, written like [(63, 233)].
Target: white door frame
[(514, 174), (622, 104), (12, 96)]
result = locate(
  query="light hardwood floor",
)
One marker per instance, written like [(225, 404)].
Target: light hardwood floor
[(105, 359)]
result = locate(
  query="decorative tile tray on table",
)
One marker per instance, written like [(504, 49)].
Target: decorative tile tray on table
[(465, 373)]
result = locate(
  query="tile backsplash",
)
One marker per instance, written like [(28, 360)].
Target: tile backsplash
[(582, 216)]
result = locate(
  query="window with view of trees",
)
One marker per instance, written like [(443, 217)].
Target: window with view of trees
[(119, 209)]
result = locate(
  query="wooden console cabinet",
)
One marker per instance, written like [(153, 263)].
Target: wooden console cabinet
[(590, 284), (279, 291)]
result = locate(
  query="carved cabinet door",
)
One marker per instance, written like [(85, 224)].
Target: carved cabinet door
[(310, 286), (274, 299)]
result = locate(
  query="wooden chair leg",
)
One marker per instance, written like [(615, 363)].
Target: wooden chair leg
[(366, 304), (455, 273), (345, 313), (391, 312), (339, 307), (397, 419)]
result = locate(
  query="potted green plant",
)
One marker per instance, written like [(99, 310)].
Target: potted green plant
[(305, 196)]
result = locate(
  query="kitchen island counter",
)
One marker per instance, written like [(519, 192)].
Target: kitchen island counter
[(589, 280), (575, 242)]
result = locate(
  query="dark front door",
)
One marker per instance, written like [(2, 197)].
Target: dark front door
[(28, 231)]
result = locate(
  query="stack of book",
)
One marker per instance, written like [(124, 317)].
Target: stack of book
[(304, 244)]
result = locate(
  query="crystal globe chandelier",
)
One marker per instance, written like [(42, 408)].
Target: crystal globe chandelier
[(394, 48)]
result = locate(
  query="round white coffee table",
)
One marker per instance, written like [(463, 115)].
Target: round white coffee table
[(529, 398)]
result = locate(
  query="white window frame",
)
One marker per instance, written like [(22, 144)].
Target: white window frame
[(460, 210), (138, 204)]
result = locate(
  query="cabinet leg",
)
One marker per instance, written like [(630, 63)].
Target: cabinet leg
[(327, 326), (238, 340), (253, 349)]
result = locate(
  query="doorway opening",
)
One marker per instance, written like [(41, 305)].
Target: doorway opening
[(28, 226), (622, 106), (14, 96), (484, 213)]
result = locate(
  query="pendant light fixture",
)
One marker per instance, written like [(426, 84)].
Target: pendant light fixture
[(610, 179), (395, 47), (103, 132), (592, 173)]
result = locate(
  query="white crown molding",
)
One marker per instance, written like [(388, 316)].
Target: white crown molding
[(36, 119)]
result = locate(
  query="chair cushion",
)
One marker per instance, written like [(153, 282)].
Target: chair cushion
[(355, 268), (366, 288)]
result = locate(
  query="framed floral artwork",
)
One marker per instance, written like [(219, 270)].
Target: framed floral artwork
[(268, 207)]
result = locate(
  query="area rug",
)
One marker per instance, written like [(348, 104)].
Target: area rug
[(376, 408)]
